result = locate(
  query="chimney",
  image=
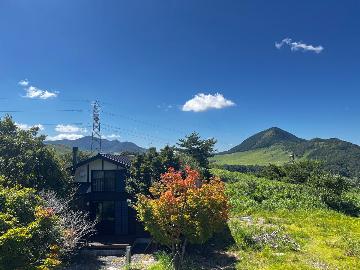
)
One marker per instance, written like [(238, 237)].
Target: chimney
[(75, 155)]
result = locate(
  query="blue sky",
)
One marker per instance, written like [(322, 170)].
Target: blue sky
[(144, 60)]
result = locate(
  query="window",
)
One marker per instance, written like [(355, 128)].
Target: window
[(103, 180)]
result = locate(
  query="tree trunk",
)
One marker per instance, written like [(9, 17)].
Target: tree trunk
[(178, 252), (177, 257), (183, 248)]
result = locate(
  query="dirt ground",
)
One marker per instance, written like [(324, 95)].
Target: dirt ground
[(138, 261)]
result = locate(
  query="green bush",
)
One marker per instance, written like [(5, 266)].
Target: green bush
[(301, 185), (28, 232), (248, 193)]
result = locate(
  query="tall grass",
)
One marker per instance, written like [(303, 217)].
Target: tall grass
[(278, 225)]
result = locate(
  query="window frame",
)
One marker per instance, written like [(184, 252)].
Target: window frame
[(102, 181)]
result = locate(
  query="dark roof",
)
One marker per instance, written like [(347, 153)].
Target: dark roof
[(124, 160), (115, 159)]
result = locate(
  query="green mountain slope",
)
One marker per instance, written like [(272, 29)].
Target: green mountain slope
[(274, 145), (263, 156), (267, 138)]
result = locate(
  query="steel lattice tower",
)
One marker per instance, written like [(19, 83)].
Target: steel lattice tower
[(96, 134)]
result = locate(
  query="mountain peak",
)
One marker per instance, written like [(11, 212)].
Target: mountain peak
[(266, 138)]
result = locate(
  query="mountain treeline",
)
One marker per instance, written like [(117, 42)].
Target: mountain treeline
[(338, 156)]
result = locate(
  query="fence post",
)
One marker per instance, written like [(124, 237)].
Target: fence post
[(128, 255)]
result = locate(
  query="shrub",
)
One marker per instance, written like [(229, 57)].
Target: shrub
[(248, 193), (27, 231), (183, 210)]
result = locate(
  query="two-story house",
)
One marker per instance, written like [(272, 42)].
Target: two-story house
[(101, 190)]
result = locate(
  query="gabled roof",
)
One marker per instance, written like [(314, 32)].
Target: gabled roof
[(115, 159)]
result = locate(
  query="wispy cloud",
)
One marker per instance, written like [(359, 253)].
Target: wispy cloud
[(165, 107), (24, 82), (35, 92), (298, 46), (111, 137), (69, 129), (27, 127), (65, 136), (202, 102)]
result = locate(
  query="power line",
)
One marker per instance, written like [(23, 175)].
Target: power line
[(148, 123), (73, 124), (119, 130)]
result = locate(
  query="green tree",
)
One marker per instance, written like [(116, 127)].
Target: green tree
[(147, 168), (25, 160), (200, 150), (29, 235)]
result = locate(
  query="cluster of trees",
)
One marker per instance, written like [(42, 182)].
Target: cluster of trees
[(338, 156), (337, 191), (148, 167), (37, 222)]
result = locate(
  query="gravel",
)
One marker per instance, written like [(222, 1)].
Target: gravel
[(138, 261)]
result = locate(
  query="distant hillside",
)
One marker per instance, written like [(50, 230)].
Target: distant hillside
[(267, 138), (262, 156), (107, 146), (275, 145)]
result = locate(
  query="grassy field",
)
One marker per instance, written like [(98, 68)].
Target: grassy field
[(275, 155), (278, 225)]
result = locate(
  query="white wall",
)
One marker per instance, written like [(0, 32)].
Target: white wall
[(81, 172)]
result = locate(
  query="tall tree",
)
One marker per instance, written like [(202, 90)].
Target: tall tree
[(25, 160), (198, 149)]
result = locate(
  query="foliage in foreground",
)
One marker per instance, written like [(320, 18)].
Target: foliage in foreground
[(38, 231), (316, 239), (279, 225), (302, 184), (74, 225), (25, 160), (29, 236), (183, 209)]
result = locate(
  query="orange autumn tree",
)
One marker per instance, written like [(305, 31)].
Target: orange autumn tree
[(183, 208)]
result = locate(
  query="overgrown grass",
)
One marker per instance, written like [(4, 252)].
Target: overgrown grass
[(279, 225), (163, 262)]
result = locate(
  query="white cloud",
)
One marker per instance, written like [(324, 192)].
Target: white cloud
[(65, 136), (298, 45), (24, 82), (34, 92), (27, 127), (111, 136), (69, 129), (202, 102)]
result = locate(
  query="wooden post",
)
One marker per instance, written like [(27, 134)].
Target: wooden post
[(128, 255)]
